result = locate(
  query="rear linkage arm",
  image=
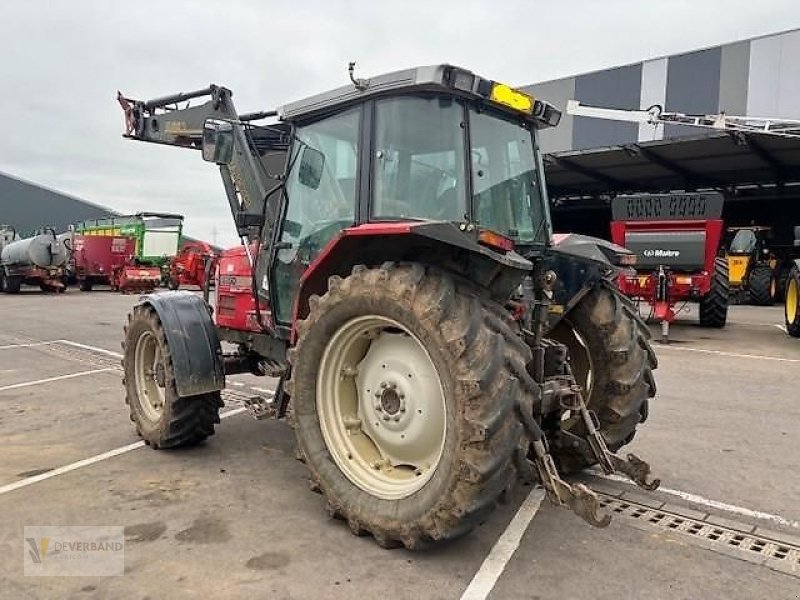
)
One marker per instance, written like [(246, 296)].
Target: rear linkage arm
[(579, 497)]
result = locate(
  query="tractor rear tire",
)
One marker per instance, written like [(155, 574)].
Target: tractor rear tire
[(162, 418), (612, 360), (761, 287), (792, 303), (383, 334), (13, 284), (714, 305)]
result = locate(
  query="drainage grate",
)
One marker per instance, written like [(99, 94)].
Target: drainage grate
[(748, 546)]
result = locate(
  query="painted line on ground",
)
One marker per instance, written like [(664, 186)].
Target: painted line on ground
[(731, 354), (92, 348), (28, 345), (90, 461), (701, 500), (781, 327), (495, 563), (237, 383), (15, 386)]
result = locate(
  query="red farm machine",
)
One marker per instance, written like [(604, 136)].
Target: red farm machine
[(398, 277), (194, 265), (111, 260), (676, 239)]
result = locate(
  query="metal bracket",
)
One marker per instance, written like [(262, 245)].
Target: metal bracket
[(259, 408), (632, 466), (579, 498)]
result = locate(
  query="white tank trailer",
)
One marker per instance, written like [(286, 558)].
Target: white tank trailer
[(38, 260)]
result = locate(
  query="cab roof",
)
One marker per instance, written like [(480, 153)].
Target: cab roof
[(441, 78)]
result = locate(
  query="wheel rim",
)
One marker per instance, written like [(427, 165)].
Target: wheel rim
[(149, 376), (381, 407), (792, 300)]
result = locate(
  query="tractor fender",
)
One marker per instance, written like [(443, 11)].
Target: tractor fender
[(440, 244), (580, 263), (193, 341)]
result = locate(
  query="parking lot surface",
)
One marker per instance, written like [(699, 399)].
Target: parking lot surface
[(235, 518)]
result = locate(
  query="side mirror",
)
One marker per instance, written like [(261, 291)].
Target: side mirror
[(217, 141), (312, 162)]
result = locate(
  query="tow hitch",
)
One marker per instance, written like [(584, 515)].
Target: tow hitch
[(579, 498)]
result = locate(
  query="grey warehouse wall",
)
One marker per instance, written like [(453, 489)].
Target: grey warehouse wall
[(692, 87), (27, 207), (759, 77), (614, 88)]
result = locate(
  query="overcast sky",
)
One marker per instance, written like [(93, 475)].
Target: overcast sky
[(61, 63)]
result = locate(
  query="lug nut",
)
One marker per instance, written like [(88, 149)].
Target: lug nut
[(385, 417), (397, 417), (383, 384)]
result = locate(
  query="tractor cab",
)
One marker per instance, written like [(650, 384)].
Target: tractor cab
[(426, 145)]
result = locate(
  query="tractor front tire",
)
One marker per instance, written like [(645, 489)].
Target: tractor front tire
[(162, 418), (85, 285), (792, 303), (761, 286), (612, 360), (404, 385), (714, 305)]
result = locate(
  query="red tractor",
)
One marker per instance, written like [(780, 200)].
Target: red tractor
[(675, 238), (110, 260), (194, 265), (398, 277)]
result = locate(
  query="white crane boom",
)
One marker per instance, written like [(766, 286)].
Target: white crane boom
[(655, 115)]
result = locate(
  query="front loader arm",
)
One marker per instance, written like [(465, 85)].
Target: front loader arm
[(258, 156)]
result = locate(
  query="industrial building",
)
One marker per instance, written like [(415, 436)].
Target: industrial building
[(588, 160), (27, 206)]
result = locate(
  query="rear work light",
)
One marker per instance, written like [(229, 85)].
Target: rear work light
[(626, 260), (495, 241)]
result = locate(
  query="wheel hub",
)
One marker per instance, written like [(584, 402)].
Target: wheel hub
[(390, 401), (160, 376)]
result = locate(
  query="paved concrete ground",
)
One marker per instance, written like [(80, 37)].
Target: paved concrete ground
[(235, 517)]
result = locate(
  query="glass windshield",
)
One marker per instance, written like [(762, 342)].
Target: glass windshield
[(419, 159), (505, 179), (744, 242)]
